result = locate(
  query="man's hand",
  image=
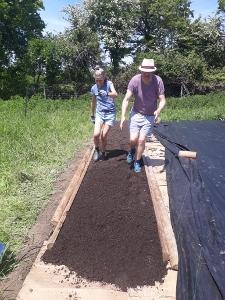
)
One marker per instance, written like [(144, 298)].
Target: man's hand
[(93, 119), (156, 114), (162, 103), (102, 93), (122, 122)]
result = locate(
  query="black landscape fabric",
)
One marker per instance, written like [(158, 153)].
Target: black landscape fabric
[(197, 203)]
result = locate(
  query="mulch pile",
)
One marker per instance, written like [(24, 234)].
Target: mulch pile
[(110, 233)]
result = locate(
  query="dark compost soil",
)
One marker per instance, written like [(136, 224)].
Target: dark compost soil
[(110, 233)]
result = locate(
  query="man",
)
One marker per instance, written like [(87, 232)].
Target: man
[(103, 112), (147, 88)]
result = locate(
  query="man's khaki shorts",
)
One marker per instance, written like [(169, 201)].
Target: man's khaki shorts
[(142, 124)]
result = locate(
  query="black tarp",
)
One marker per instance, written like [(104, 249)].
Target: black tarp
[(196, 190)]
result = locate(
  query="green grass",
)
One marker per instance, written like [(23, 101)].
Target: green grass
[(209, 107), (197, 107), (35, 147)]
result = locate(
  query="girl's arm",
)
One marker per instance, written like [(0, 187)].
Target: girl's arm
[(113, 92), (93, 105)]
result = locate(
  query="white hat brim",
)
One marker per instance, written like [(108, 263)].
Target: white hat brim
[(147, 70)]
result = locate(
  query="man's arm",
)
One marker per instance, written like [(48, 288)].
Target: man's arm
[(125, 104), (162, 103)]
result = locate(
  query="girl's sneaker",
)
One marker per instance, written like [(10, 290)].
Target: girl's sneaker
[(96, 155), (103, 156), (130, 157), (137, 167)]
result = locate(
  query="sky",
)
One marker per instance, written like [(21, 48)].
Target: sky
[(204, 7), (53, 16)]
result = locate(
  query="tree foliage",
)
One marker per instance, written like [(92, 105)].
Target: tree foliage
[(175, 68), (186, 51), (161, 21), (114, 22), (210, 40), (42, 60), (19, 22), (79, 47)]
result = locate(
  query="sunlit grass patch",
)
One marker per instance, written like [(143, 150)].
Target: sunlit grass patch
[(33, 149)]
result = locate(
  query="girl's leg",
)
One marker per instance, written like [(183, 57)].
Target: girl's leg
[(104, 134), (97, 133), (96, 138)]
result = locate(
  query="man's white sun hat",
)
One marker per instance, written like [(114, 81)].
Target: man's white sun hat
[(147, 65)]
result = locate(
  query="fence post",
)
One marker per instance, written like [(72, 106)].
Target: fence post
[(26, 102), (44, 91), (184, 90)]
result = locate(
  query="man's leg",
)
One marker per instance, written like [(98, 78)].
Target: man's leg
[(134, 139), (133, 144), (140, 147), (140, 150), (145, 130), (134, 134)]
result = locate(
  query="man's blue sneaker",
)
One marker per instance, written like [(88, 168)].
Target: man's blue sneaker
[(137, 167), (130, 157)]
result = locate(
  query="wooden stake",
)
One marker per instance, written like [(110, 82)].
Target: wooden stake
[(189, 154), (166, 235), (69, 196)]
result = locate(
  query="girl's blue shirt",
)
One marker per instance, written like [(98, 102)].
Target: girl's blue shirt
[(104, 103)]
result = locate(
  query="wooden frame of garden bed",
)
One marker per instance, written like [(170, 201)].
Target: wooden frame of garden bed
[(46, 281), (156, 176)]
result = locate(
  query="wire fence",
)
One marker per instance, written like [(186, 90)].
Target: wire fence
[(52, 92)]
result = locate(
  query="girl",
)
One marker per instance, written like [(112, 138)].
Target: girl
[(104, 110)]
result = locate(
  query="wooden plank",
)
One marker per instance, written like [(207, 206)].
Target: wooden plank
[(68, 199), (166, 235), (47, 281), (73, 187)]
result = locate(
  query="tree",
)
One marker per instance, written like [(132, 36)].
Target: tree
[(43, 60), (79, 48), (112, 21), (221, 5), (19, 22), (206, 37), (78, 52), (160, 22)]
